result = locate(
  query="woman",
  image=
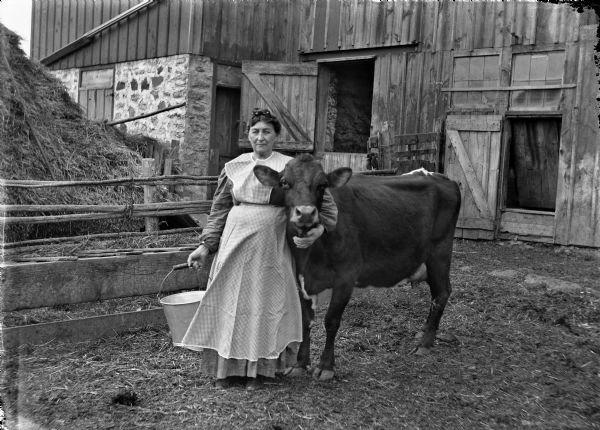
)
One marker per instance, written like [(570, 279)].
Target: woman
[(249, 320)]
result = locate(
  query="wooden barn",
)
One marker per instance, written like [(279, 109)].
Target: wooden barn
[(500, 96)]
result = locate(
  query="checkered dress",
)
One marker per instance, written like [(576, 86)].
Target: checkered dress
[(251, 309)]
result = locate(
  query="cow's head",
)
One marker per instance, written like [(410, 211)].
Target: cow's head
[(303, 182)]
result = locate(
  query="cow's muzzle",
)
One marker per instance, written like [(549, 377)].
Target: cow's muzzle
[(304, 217)]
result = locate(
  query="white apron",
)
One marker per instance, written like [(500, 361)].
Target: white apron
[(251, 308)]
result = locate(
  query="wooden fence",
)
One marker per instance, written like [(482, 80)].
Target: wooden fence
[(91, 276), (96, 275)]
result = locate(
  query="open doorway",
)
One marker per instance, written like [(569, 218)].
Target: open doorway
[(533, 163), (349, 100)]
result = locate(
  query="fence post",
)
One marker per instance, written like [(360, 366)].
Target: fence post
[(148, 170)]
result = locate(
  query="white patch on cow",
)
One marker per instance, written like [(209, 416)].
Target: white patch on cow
[(312, 298), (420, 171)]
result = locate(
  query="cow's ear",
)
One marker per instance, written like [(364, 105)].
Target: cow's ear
[(267, 176), (339, 177)]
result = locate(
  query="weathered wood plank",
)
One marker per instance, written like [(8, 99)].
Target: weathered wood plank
[(34, 285), (334, 14), (71, 31), (472, 180), (84, 329), (196, 36), (36, 30), (163, 28), (175, 27), (275, 68), (103, 38), (474, 123), (475, 223)]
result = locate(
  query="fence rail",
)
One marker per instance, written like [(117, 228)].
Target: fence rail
[(152, 180), (106, 274)]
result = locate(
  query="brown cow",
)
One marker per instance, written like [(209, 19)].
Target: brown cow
[(390, 228)]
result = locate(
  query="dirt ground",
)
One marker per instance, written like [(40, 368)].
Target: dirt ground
[(526, 317)]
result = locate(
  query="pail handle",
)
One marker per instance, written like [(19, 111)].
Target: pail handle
[(174, 268)]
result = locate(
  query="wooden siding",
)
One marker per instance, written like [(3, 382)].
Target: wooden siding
[(578, 193), (228, 29), (437, 26), (280, 30)]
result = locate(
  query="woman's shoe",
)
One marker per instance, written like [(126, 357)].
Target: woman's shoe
[(253, 384)]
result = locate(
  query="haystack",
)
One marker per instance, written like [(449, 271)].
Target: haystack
[(44, 135)]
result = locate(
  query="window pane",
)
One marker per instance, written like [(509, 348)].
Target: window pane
[(518, 99), (459, 98), (491, 70), (489, 97), (551, 98), (474, 97), (556, 62), (461, 69), (536, 97), (539, 65), (520, 68), (476, 69)]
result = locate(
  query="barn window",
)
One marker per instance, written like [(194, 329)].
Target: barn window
[(96, 93), (537, 69), (476, 72), (533, 163)]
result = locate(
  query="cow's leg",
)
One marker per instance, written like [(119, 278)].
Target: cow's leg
[(438, 278), (339, 299), (308, 316)]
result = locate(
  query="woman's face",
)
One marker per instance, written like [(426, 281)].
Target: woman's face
[(262, 137)]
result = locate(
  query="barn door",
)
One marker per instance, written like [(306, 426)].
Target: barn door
[(289, 91), (473, 160)]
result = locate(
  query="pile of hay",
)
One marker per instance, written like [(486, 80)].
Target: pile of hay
[(46, 136)]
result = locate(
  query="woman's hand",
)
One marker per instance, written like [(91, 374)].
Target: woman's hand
[(197, 259), (311, 236)]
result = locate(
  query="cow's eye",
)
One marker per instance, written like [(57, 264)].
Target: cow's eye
[(321, 188), (284, 184)]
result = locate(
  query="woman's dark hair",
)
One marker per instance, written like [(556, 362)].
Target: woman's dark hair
[(264, 115)]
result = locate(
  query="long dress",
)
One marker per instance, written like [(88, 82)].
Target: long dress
[(250, 317)]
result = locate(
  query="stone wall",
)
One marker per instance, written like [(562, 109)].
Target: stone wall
[(194, 151), (70, 79), (149, 85)]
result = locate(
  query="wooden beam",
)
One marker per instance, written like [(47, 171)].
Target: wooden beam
[(188, 204), (84, 329), (146, 115), (458, 123), (156, 180), (34, 285), (124, 212), (98, 236), (513, 88), (472, 180)]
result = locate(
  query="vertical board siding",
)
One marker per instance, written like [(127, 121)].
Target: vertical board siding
[(280, 29)]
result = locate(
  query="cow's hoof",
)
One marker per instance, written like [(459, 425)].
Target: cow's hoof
[(446, 337), (295, 372), (419, 335), (421, 351), (323, 375)]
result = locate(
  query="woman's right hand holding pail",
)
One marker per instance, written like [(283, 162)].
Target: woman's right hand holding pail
[(197, 259)]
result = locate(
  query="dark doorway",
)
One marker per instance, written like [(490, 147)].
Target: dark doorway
[(350, 96), (227, 115), (533, 163)]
